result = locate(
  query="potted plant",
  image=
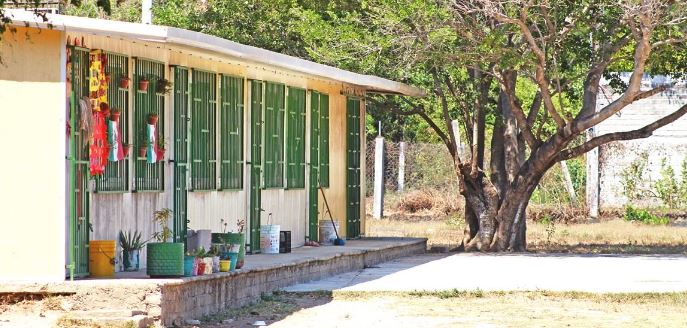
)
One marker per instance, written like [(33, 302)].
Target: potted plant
[(190, 264), (239, 238), (131, 245), (143, 148), (115, 114), (108, 78), (214, 253), (200, 264), (163, 86), (125, 149), (152, 118), (143, 84), (124, 82), (165, 259), (161, 148)]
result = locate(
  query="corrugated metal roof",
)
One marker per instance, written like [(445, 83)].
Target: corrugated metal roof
[(201, 41)]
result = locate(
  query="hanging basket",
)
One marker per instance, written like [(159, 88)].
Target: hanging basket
[(125, 149), (152, 119), (143, 85), (124, 82)]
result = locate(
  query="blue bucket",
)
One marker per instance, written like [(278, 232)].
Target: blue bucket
[(189, 262), (234, 258)]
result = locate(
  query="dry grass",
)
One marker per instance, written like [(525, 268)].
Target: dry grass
[(613, 236), (468, 309)]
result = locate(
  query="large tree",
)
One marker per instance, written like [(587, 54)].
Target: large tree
[(478, 58)]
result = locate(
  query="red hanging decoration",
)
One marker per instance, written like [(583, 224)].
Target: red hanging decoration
[(99, 148)]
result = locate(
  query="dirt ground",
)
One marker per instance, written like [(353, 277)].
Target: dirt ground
[(457, 309)]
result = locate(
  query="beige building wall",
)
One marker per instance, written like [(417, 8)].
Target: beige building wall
[(32, 139)]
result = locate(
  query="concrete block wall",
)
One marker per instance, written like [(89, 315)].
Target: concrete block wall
[(204, 295)]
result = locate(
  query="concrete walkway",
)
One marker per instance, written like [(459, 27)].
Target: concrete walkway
[(515, 272)]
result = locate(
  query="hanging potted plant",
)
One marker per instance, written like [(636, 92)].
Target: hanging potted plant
[(115, 113), (124, 82), (108, 78), (163, 86), (143, 84), (165, 259), (125, 149), (161, 148), (131, 245), (152, 118), (143, 148)]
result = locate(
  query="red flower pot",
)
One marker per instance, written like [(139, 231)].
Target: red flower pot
[(124, 83), (143, 85), (114, 116), (142, 151), (125, 150), (152, 119), (201, 268), (160, 154)]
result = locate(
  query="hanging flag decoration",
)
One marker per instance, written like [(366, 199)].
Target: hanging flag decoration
[(97, 86), (115, 141), (98, 148), (151, 153)]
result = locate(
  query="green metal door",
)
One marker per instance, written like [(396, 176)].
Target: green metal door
[(313, 183), (181, 105), (353, 168), (78, 169), (256, 132)]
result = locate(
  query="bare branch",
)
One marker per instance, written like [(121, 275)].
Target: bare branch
[(643, 132)]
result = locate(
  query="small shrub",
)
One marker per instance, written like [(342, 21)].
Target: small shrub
[(643, 216), (416, 201)]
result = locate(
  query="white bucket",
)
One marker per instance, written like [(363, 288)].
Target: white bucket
[(269, 239), (327, 233)]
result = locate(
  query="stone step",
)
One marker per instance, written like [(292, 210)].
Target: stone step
[(140, 321)]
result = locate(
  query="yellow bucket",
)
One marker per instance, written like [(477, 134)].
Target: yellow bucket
[(224, 265), (101, 255)]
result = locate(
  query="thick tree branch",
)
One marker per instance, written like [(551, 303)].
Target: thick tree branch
[(644, 132)]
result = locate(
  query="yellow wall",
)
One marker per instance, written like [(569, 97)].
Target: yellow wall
[(32, 140)]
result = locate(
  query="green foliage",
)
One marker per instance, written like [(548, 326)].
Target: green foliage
[(668, 188), (632, 178), (161, 218), (643, 216), (130, 242), (551, 188)]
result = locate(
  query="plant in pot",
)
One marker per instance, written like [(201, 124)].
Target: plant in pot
[(161, 148), (143, 84), (143, 148), (163, 86), (200, 264), (131, 245), (152, 118), (214, 252), (124, 82), (235, 239), (115, 114), (126, 148), (190, 264), (165, 259)]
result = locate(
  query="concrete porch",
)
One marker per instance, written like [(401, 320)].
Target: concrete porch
[(172, 301)]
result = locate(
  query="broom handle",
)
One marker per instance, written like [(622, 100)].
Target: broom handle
[(328, 210)]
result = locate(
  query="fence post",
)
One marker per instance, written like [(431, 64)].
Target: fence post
[(592, 192), (401, 166), (568, 183), (378, 204)]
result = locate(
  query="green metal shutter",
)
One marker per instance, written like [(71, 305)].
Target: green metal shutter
[(147, 177), (78, 171), (324, 140), (274, 135), (313, 190), (231, 136), (203, 137), (181, 105), (295, 139), (256, 115), (116, 177), (353, 168)]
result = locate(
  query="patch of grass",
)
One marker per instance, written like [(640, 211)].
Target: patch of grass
[(641, 215)]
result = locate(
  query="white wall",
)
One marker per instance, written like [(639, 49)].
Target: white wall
[(669, 142)]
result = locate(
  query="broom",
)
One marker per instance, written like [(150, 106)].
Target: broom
[(338, 241)]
